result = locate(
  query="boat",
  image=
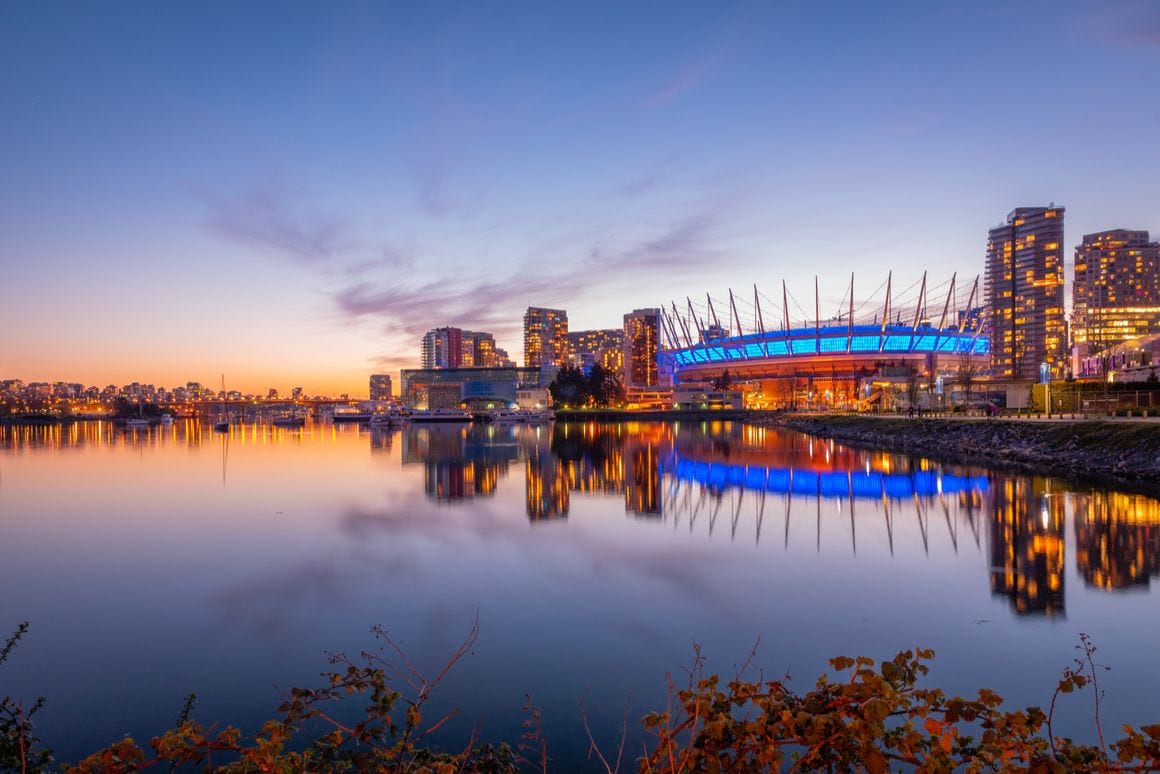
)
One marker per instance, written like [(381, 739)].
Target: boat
[(502, 415), (222, 425), (350, 415), (140, 420), (441, 415), (288, 422), (389, 419), (167, 419), (536, 415)]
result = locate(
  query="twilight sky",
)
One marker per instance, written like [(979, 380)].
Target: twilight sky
[(291, 193)]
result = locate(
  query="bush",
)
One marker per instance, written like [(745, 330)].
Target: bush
[(867, 717)]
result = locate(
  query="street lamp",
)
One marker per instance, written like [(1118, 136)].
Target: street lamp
[(1045, 380)]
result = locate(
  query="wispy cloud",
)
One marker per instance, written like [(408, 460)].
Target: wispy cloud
[(689, 76), (650, 179), (404, 287), (464, 301), (705, 61), (264, 219), (392, 256), (492, 302), (1119, 23), (683, 243)]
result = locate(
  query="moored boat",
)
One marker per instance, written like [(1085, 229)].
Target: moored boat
[(441, 415)]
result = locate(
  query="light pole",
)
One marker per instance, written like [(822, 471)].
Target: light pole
[(1045, 379)]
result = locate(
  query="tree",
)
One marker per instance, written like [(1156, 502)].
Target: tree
[(570, 387), (604, 386), (723, 382), (968, 375), (913, 381)]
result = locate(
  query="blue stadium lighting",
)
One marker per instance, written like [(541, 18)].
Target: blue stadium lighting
[(872, 485), (834, 340)]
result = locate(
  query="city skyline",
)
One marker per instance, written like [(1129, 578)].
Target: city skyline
[(292, 195)]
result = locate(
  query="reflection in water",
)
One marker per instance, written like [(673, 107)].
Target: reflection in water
[(704, 475), (1027, 548), (460, 461), (1117, 539), (271, 545)]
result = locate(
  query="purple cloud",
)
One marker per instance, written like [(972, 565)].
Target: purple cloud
[(492, 302), (263, 219)]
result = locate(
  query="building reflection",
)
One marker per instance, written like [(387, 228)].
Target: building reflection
[(459, 462), (1027, 545), (711, 474), (547, 488), (596, 459), (721, 471), (383, 438), (1117, 539), (642, 480)]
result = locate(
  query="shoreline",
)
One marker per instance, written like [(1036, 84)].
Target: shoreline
[(1122, 455)]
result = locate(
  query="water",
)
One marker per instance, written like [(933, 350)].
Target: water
[(156, 563)]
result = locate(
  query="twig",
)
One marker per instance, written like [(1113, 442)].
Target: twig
[(534, 731), (748, 662), (1088, 650), (435, 727), (20, 726), (623, 730), (592, 746)]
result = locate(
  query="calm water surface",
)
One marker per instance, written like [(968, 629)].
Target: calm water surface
[(156, 563)]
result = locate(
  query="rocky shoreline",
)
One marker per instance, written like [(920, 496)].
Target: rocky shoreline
[(1117, 454)]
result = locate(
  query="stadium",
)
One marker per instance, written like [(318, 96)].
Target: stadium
[(910, 351)]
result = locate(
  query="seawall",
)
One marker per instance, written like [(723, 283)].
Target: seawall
[(1107, 453)]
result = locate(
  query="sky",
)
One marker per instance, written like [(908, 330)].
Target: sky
[(291, 193)]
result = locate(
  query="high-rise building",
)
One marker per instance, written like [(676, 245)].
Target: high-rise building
[(545, 337), (479, 350), (457, 348), (1116, 292), (1024, 293), (442, 348), (380, 387), (642, 329), (502, 360), (605, 346)]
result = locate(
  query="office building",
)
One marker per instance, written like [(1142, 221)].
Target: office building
[(545, 337), (1116, 292), (641, 344), (1023, 292), (380, 387), (428, 388)]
